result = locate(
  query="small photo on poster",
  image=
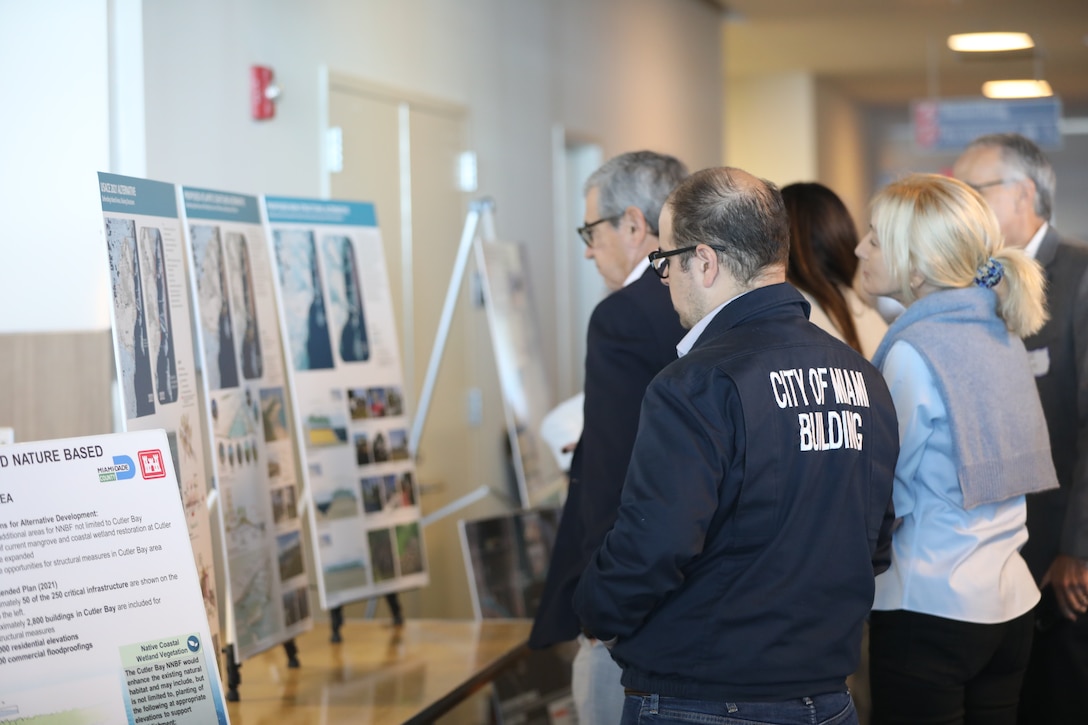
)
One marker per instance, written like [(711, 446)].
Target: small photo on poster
[(303, 300), (284, 504), (160, 331), (244, 299), (274, 414), (409, 549), (398, 444), (373, 494), (296, 606), (130, 319), (342, 576), (406, 489), (395, 401), (358, 403), (346, 317), (389, 492), (213, 301), (378, 402), (381, 554), (363, 455), (326, 430), (338, 503), (289, 547), (380, 449)]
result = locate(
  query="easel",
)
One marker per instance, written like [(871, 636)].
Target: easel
[(479, 222)]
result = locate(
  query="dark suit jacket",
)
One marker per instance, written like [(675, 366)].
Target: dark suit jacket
[(632, 335), (1058, 519)]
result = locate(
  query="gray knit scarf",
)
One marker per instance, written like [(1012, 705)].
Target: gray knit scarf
[(999, 434)]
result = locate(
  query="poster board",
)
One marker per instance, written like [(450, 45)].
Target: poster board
[(153, 345), (506, 558), (102, 617), (252, 440), (347, 387), (519, 357)]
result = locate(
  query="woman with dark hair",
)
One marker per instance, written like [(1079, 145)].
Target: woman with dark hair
[(822, 266)]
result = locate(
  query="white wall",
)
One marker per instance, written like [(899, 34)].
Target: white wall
[(629, 73), (842, 135), (54, 136), (770, 126)]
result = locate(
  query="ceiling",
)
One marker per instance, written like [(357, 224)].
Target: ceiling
[(888, 52)]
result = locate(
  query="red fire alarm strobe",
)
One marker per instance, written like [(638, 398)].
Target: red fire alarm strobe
[(262, 93)]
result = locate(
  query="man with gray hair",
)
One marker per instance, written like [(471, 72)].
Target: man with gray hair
[(632, 335), (1017, 180)]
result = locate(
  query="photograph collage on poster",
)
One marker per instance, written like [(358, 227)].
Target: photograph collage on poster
[(347, 383)]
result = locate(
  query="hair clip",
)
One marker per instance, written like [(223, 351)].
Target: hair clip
[(989, 273)]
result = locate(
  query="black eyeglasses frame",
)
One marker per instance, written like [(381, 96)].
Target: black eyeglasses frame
[(586, 230)]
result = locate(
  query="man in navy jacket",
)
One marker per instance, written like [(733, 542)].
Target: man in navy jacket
[(632, 335), (1016, 179), (739, 571)]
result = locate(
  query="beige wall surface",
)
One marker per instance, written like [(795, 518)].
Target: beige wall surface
[(770, 126), (57, 385)]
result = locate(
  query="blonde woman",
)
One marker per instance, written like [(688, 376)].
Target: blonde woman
[(951, 627)]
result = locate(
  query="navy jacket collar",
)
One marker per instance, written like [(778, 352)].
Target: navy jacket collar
[(774, 300)]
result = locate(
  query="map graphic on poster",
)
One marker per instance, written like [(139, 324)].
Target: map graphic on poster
[(348, 388), (101, 612), (253, 441), (520, 362), (153, 344)]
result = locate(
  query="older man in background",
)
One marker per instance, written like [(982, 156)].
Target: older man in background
[(632, 335), (1017, 180)]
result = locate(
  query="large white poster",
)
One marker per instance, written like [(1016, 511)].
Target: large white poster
[(153, 344), (253, 439), (101, 611), (520, 361), (348, 388)]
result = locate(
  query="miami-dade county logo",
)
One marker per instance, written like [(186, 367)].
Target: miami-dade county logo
[(122, 469), (151, 465)]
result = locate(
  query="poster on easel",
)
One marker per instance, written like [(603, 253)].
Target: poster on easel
[(252, 433), (153, 345), (347, 385), (101, 611), (520, 360)]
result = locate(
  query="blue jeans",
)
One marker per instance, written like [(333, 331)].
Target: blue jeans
[(832, 709)]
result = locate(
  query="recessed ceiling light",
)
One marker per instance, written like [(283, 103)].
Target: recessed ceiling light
[(989, 42), (1016, 89)]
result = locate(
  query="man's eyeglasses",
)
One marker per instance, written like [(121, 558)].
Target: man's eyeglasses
[(659, 260), (586, 230), (988, 184)]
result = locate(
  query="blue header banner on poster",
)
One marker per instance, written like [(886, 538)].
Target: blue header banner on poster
[(320, 211), (951, 125), (220, 206), (128, 195)]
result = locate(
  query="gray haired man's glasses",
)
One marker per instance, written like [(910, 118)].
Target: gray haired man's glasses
[(586, 230)]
